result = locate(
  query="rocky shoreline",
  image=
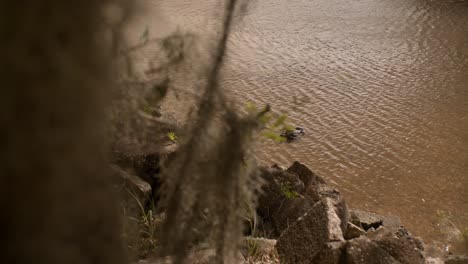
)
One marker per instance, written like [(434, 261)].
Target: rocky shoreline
[(299, 219)]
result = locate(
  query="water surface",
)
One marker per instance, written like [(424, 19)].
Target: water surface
[(381, 87)]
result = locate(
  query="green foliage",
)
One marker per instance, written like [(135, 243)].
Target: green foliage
[(250, 215), (270, 123), (288, 191), (252, 248), (148, 225), (172, 136), (464, 238), (147, 109), (273, 136), (464, 234)]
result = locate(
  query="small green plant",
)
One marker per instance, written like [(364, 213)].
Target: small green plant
[(464, 238), (147, 109), (148, 225), (172, 136), (252, 248), (250, 215), (288, 191)]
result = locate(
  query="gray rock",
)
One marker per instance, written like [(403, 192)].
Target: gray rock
[(353, 231), (402, 246), (305, 238), (364, 251), (365, 220), (290, 210), (307, 176), (331, 253), (287, 195), (457, 260), (280, 202), (321, 191), (386, 246), (316, 189)]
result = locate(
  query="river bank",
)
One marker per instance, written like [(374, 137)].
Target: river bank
[(299, 219)]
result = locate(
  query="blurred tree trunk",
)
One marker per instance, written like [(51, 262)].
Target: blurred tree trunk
[(55, 198)]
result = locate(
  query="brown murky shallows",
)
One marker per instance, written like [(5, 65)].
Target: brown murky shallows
[(380, 86)]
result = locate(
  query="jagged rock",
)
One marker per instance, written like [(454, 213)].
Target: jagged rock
[(290, 211), (317, 189), (364, 251), (304, 189), (312, 223), (307, 176), (280, 202), (457, 260), (305, 238), (353, 231), (402, 246), (331, 253), (365, 220), (322, 190)]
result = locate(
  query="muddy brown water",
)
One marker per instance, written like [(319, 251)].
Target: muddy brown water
[(381, 87)]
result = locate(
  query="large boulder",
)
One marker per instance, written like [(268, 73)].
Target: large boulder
[(331, 253), (306, 237), (280, 203), (307, 176), (315, 189), (325, 191), (403, 246), (289, 194), (364, 251), (313, 221), (386, 246)]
